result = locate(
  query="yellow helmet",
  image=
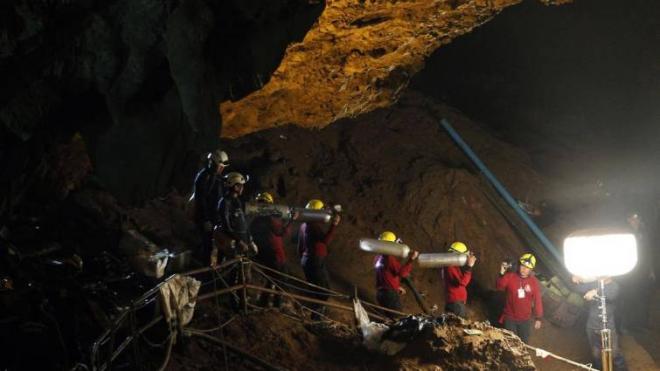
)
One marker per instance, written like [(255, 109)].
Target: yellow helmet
[(314, 204), (265, 197), (458, 247), (387, 236), (528, 260)]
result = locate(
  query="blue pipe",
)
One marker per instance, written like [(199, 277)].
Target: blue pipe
[(501, 189)]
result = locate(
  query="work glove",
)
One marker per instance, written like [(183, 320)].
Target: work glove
[(504, 267), (253, 249), (243, 247), (590, 295)]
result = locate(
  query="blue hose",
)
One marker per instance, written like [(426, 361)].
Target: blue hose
[(501, 189)]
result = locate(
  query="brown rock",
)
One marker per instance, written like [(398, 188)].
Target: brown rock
[(359, 56)]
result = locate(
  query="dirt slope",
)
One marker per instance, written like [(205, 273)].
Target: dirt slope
[(413, 182)]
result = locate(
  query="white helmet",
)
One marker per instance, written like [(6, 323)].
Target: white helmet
[(234, 178), (218, 157)]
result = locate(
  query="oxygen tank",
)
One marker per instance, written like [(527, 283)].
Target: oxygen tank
[(441, 260), (384, 247), (311, 215), (263, 209)]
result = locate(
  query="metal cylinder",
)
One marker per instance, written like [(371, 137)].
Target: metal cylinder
[(438, 260), (384, 247), (311, 215), (263, 209)]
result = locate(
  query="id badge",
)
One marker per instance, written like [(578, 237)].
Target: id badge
[(521, 293)]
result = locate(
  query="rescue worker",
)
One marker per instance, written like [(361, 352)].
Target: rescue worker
[(637, 286), (232, 235), (207, 191), (523, 294), (313, 244), (269, 233), (456, 280), (389, 272), (595, 322)]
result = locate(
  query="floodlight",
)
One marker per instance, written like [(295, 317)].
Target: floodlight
[(596, 253)]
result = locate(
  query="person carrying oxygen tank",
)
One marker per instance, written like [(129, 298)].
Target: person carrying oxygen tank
[(456, 280), (269, 233), (389, 272), (313, 243)]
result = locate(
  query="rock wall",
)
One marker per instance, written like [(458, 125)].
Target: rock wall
[(139, 80), (359, 56)]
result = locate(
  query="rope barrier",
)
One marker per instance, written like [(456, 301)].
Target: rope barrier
[(265, 271), (258, 270), (543, 353)]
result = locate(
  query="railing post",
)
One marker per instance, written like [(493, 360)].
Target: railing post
[(244, 282)]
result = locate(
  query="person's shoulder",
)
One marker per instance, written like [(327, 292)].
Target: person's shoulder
[(203, 171)]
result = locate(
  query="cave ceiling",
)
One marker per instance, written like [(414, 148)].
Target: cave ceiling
[(359, 56)]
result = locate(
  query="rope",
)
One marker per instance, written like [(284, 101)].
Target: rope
[(284, 283), (542, 353), (289, 295), (155, 344), (168, 353), (300, 280)]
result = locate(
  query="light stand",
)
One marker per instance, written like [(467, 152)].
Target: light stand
[(605, 333), (598, 254)]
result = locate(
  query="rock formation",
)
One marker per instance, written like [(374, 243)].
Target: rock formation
[(359, 56)]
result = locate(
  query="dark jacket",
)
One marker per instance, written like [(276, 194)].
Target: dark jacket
[(207, 191), (231, 219), (594, 322)]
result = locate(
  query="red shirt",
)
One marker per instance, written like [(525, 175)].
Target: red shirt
[(278, 232), (456, 281), (389, 272), (312, 241), (518, 305)]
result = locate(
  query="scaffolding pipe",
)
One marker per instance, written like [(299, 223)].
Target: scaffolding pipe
[(499, 187)]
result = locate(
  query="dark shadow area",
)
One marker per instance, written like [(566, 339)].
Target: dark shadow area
[(579, 81)]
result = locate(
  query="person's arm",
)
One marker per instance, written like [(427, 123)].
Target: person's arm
[(582, 288), (459, 277), (224, 213), (405, 269), (329, 235), (503, 281), (301, 238), (538, 301)]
